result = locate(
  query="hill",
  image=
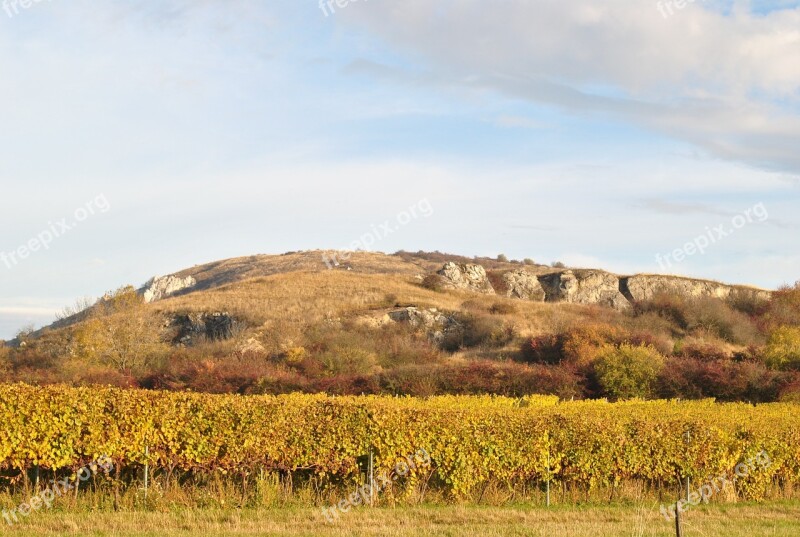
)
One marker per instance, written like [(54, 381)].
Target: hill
[(423, 323)]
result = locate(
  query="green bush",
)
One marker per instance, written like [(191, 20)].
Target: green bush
[(628, 371)]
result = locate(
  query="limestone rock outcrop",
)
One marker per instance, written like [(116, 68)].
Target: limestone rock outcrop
[(165, 286), (584, 287), (645, 287), (438, 325), (468, 277), (523, 285)]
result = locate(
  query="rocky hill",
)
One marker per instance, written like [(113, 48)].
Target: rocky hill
[(539, 283), (422, 323)]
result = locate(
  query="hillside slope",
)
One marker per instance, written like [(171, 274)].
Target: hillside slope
[(420, 324)]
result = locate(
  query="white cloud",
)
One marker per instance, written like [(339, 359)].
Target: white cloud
[(726, 82)]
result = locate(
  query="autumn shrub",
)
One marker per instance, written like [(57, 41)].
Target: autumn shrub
[(790, 392), (724, 380), (498, 378), (783, 348), (784, 307), (702, 349), (120, 332), (667, 306), (503, 308), (748, 302), (628, 371), (497, 281), (475, 330), (434, 282), (658, 340), (584, 343), (714, 316), (544, 349)]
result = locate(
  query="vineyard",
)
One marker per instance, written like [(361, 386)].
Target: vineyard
[(518, 444)]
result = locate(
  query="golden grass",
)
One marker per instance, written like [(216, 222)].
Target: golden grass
[(775, 520), (299, 299)]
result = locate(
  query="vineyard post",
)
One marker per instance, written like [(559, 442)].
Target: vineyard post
[(371, 470), (146, 469), (547, 482), (688, 438), (678, 520)]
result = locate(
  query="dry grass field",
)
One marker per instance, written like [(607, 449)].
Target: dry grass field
[(743, 520)]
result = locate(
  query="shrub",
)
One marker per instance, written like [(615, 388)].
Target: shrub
[(671, 307), (582, 344), (784, 308), (747, 302), (502, 258), (434, 282), (700, 349), (783, 348), (724, 380), (628, 371), (558, 264), (477, 330), (503, 308), (528, 261), (714, 316), (544, 349), (497, 281)]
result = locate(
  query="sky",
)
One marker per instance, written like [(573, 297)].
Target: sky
[(138, 138)]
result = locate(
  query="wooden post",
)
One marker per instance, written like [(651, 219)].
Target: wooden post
[(678, 521), (547, 483), (371, 468), (688, 438), (146, 469)]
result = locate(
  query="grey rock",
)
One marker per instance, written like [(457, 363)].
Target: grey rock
[(165, 286), (467, 277)]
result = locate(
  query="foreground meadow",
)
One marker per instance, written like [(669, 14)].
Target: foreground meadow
[(741, 520)]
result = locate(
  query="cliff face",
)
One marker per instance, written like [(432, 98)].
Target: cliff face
[(644, 287), (584, 286)]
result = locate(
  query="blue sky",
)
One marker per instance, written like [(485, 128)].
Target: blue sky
[(597, 133)]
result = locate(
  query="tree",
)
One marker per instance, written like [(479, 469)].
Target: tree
[(121, 332), (628, 371)]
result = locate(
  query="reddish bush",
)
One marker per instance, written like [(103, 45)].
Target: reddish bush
[(724, 380), (545, 349)]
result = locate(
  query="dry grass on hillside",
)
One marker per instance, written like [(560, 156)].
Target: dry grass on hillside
[(243, 268), (305, 298)]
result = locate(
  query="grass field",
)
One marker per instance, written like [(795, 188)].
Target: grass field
[(742, 520)]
